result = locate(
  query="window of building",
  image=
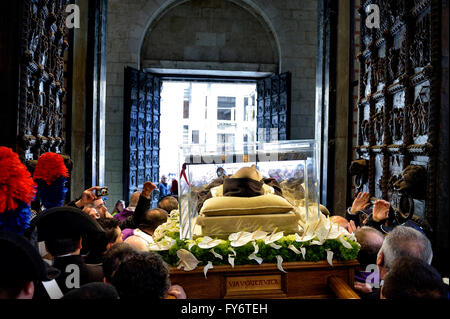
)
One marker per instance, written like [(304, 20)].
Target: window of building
[(225, 138), (186, 102), (226, 108), (195, 136), (185, 134)]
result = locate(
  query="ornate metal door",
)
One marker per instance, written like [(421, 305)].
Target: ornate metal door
[(141, 129), (274, 104), (42, 104), (398, 106)]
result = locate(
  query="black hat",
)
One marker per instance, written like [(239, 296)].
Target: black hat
[(65, 222), (21, 261)]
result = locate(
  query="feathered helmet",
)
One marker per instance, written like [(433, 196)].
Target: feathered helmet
[(50, 175), (17, 190)]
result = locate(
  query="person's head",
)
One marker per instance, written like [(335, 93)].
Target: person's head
[(120, 205), (143, 275), (64, 246), (93, 290), (403, 241), (341, 221), (168, 203), (164, 179), (174, 187), (21, 267), (134, 199), (99, 206), (62, 229), (152, 219), (371, 241), (137, 242), (412, 278), (113, 257), (113, 233)]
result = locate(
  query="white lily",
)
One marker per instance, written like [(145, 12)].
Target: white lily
[(216, 254), (294, 249), (273, 237), (259, 234), (345, 243), (240, 238), (253, 256), (207, 267), (330, 257), (187, 260), (208, 242), (279, 263), (304, 237)]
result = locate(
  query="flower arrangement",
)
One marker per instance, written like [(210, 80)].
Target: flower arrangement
[(320, 240)]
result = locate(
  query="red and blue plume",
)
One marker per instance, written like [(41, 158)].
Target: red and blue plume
[(17, 190), (50, 176)]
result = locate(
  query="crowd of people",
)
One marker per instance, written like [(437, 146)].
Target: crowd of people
[(79, 250), (395, 260)]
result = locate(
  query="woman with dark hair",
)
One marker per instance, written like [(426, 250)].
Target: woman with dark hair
[(119, 207), (174, 187)]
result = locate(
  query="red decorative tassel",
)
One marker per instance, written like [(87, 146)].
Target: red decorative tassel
[(183, 173), (49, 167), (16, 183)]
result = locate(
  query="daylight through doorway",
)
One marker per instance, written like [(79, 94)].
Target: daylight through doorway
[(211, 113)]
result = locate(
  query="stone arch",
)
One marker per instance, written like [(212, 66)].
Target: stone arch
[(248, 5)]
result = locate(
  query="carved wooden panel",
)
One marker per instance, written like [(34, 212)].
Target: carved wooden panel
[(398, 106), (273, 110), (42, 105), (141, 129)]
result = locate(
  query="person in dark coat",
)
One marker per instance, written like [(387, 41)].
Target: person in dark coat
[(62, 229), (21, 268), (163, 188)]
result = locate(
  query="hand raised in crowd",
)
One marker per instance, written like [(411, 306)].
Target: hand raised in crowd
[(148, 188), (87, 197), (176, 291), (352, 227), (361, 202), (380, 210)]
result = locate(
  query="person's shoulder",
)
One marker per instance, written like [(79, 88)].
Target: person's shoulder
[(95, 272)]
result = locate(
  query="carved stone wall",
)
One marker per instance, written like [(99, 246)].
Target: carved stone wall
[(42, 88), (398, 105)]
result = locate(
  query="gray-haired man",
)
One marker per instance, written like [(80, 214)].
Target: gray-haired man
[(403, 241)]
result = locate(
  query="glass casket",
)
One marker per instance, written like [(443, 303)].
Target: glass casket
[(289, 166)]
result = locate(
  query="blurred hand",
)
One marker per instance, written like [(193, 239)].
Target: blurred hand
[(148, 188), (352, 227), (362, 287), (177, 291), (380, 210), (87, 197), (361, 202)]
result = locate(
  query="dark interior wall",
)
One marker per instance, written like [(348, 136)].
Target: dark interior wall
[(9, 70)]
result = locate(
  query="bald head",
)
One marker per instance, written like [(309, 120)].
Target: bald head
[(371, 241), (137, 243), (152, 219), (341, 221), (168, 203), (134, 199)]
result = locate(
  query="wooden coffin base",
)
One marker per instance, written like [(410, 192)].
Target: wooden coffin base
[(301, 280)]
